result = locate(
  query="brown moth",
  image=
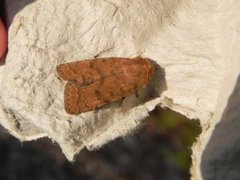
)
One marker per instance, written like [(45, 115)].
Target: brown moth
[(95, 82)]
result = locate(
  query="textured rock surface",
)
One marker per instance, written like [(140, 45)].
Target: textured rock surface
[(194, 42)]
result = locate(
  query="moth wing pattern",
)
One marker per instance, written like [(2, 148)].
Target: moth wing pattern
[(79, 99), (88, 71), (71, 98), (94, 83), (76, 72), (84, 98)]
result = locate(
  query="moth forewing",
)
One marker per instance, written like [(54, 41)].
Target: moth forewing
[(93, 83)]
